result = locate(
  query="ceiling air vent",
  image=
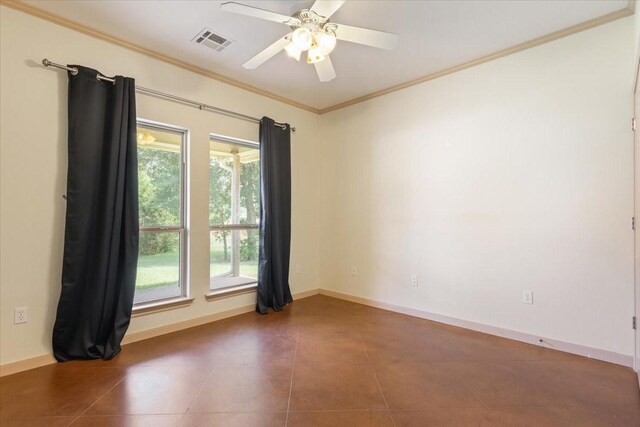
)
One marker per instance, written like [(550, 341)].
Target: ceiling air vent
[(212, 40)]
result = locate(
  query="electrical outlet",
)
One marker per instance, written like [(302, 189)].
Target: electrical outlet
[(527, 297), (298, 269), (414, 280), (20, 315), (354, 271)]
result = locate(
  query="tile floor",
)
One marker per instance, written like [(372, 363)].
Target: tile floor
[(325, 362)]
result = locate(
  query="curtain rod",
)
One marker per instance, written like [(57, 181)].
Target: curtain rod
[(158, 94)]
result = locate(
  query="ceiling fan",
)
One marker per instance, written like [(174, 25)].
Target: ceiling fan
[(312, 32)]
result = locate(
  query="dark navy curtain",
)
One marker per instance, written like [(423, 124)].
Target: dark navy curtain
[(101, 230), (275, 216)]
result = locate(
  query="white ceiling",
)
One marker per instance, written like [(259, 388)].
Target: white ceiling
[(434, 35)]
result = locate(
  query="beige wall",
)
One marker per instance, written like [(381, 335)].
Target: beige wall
[(33, 171), (513, 175)]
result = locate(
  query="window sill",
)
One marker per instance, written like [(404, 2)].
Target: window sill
[(155, 307), (231, 291)]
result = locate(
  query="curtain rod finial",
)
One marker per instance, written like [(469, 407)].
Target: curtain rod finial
[(48, 63)]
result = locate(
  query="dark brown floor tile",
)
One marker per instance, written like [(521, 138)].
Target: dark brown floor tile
[(279, 323), (151, 390), (230, 419), (128, 421), (245, 388), (272, 370), (237, 372), (253, 348), (589, 382), (423, 386), (318, 303), (334, 348), (340, 418), (55, 390), (620, 415), (333, 325), (182, 355), (515, 350), (559, 416), (432, 342), (467, 345), (449, 417), (472, 346), (387, 323), (36, 421), (402, 347), (334, 386), (505, 383), (188, 348)]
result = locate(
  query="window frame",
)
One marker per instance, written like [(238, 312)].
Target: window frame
[(215, 293), (182, 228)]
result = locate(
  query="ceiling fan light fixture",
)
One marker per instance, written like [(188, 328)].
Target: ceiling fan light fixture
[(326, 42), (315, 55), (311, 32), (302, 38), (293, 51)]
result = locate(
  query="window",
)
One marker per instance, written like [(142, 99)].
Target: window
[(234, 211), (161, 188)]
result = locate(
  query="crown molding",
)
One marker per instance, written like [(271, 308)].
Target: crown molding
[(604, 19), (57, 19)]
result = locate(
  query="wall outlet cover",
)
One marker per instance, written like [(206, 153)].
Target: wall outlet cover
[(20, 315), (414, 280), (527, 297)]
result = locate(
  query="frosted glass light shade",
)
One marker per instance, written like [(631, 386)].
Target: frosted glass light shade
[(293, 51), (326, 42), (302, 38)]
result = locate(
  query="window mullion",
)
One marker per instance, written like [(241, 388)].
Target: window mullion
[(160, 229), (222, 227)]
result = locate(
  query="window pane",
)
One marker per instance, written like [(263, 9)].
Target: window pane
[(250, 192), (234, 199), (159, 176), (219, 192), (237, 265), (158, 267), (220, 253), (234, 184)]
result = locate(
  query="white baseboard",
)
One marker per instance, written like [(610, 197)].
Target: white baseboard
[(46, 359), (26, 364), (593, 353)]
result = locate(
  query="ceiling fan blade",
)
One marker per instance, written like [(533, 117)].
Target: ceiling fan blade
[(327, 8), (325, 70), (267, 53), (256, 12), (367, 37)]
